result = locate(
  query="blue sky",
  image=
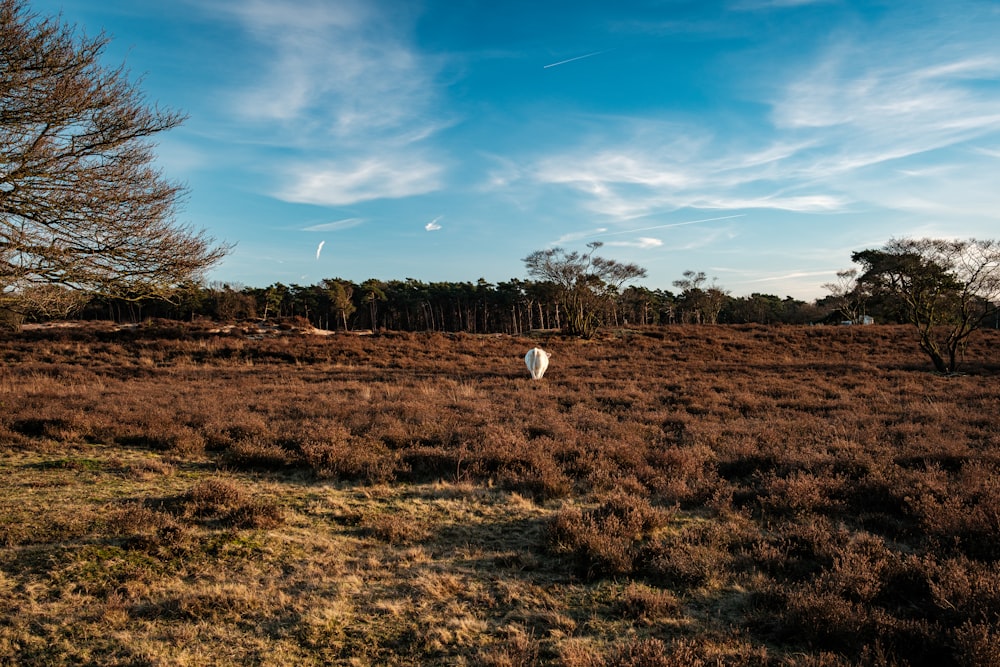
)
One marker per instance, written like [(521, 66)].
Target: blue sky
[(759, 141)]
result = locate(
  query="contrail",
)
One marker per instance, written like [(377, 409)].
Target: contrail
[(569, 60), (673, 224), (319, 248)]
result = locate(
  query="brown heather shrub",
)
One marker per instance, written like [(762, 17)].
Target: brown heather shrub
[(182, 440), (56, 428), (233, 424), (799, 493), (695, 555), (392, 527), (136, 517), (794, 551), (256, 453), (960, 511), (636, 513), (255, 514), (224, 502), (342, 456), (872, 607), (684, 652), (861, 570), (543, 479), (646, 603), (832, 500), (422, 462), (597, 548), (146, 468), (682, 473), (212, 497), (651, 652), (145, 528), (822, 620), (978, 644), (606, 540), (963, 590), (502, 453)]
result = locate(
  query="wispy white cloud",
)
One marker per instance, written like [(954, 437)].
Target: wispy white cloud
[(742, 281), (798, 204), (639, 181), (334, 226), (338, 184), (989, 152), (849, 129), (642, 242), (338, 79), (617, 166), (793, 274), (346, 67), (578, 236), (672, 224), (434, 225), (683, 242), (940, 193), (875, 100), (900, 124)]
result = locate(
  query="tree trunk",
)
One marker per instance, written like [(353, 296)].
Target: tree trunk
[(927, 345)]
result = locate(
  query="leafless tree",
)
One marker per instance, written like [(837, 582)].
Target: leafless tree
[(947, 288), (82, 204), (847, 295), (585, 284), (701, 304)]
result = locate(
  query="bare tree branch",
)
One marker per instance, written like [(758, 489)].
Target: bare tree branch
[(82, 204), (947, 289), (585, 283)]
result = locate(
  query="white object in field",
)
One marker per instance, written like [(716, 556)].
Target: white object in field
[(537, 360)]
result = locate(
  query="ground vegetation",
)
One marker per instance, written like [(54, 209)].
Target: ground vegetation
[(688, 495)]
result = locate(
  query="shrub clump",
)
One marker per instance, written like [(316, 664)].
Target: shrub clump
[(350, 458), (145, 528), (607, 540), (229, 504)]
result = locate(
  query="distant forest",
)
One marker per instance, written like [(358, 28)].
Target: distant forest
[(512, 307)]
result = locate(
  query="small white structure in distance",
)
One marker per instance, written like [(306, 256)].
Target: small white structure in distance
[(537, 360), (864, 320)]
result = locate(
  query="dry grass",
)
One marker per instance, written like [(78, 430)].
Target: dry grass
[(679, 496)]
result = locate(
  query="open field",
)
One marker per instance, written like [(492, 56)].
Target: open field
[(676, 496)]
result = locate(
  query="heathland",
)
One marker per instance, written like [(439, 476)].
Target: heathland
[(680, 495)]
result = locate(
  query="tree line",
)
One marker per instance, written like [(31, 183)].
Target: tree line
[(513, 307)]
